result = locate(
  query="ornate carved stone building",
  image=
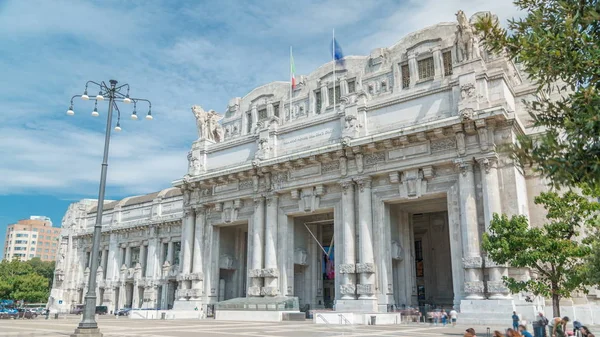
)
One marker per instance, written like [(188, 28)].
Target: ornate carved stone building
[(377, 202)]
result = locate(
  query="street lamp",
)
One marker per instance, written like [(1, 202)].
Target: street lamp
[(88, 325)]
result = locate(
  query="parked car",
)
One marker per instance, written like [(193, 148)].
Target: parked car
[(101, 310), (6, 313), (123, 312), (78, 309), (26, 313)]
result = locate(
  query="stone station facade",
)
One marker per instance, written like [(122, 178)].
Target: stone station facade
[(376, 202)]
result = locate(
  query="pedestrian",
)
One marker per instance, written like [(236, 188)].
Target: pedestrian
[(585, 332), (515, 320), (453, 317), (559, 326), (470, 333), (523, 331), (444, 318)]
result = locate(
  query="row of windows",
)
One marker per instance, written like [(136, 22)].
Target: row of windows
[(426, 69)]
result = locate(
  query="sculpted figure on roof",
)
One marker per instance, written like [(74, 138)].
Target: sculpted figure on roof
[(208, 124)]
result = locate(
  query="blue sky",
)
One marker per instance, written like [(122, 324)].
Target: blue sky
[(175, 53)]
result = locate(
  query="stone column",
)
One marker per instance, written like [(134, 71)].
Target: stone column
[(143, 258), (491, 205), (258, 233), (198, 251), (187, 235), (153, 258), (271, 273), (128, 256), (413, 69), (254, 113), (344, 86), (366, 267), (347, 268), (470, 231), (324, 96), (437, 63)]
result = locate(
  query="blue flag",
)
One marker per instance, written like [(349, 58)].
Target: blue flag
[(338, 55)]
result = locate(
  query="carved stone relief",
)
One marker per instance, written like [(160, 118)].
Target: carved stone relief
[(208, 124)]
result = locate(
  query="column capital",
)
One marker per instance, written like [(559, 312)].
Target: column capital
[(187, 211), (346, 184), (200, 209), (272, 198), (488, 163), (464, 166), (363, 182)]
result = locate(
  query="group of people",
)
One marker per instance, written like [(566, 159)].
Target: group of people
[(542, 327)]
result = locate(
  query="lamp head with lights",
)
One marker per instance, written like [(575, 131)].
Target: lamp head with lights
[(70, 112), (149, 115)]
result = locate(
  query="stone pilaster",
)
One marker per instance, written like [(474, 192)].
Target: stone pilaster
[(197, 278), (347, 268), (413, 69), (258, 234), (324, 96), (142, 260), (271, 273), (492, 204), (437, 63), (366, 267), (254, 113), (187, 236), (128, 256), (170, 252), (470, 231), (152, 261)]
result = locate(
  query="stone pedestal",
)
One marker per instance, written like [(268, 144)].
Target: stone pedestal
[(87, 332), (347, 268), (368, 305)]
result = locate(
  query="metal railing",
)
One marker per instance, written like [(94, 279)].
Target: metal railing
[(323, 318)]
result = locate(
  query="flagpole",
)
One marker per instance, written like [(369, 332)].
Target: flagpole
[(333, 58), (291, 82)]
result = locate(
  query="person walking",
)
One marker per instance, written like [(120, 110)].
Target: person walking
[(515, 320), (444, 318), (523, 331), (453, 316)]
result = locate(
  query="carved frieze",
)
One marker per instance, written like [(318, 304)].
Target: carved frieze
[(269, 291), (330, 167), (413, 183), (472, 262), (245, 184), (254, 291), (473, 287), (365, 268), (365, 289), (347, 289), (497, 287), (346, 268), (374, 158), (444, 144)]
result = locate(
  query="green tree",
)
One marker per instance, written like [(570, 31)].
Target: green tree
[(25, 280), (556, 252), (31, 288), (558, 44)]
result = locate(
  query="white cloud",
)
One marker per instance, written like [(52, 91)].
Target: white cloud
[(176, 54)]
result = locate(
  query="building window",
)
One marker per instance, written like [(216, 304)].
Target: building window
[(262, 114), (30, 255), (46, 257), (276, 110), (426, 68), (165, 253), (87, 258), (38, 255), (338, 95), (34, 236), (351, 86), (39, 249), (176, 251), (47, 243), (32, 249), (318, 102), (20, 235), (53, 244), (383, 86), (135, 256), (35, 229), (48, 238), (33, 242), (447, 60), (405, 76)]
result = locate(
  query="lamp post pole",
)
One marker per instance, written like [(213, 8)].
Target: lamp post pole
[(88, 325), (89, 313)]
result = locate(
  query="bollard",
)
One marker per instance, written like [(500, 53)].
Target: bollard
[(56, 316), (373, 320), (163, 315)]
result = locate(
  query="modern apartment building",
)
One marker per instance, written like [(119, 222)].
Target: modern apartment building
[(33, 237)]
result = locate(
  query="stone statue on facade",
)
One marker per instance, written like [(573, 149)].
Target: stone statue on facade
[(467, 47), (194, 164), (208, 124)]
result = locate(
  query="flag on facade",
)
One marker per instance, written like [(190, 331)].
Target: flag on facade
[(338, 55), (292, 69)]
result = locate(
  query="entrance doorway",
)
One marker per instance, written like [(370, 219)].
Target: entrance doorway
[(233, 256), (314, 262), (422, 272)]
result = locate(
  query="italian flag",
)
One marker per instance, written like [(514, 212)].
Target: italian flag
[(292, 70)]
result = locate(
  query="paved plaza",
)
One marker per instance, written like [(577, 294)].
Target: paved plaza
[(112, 327)]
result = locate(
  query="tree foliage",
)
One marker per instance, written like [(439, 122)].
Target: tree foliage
[(558, 44), (555, 252), (26, 280)]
